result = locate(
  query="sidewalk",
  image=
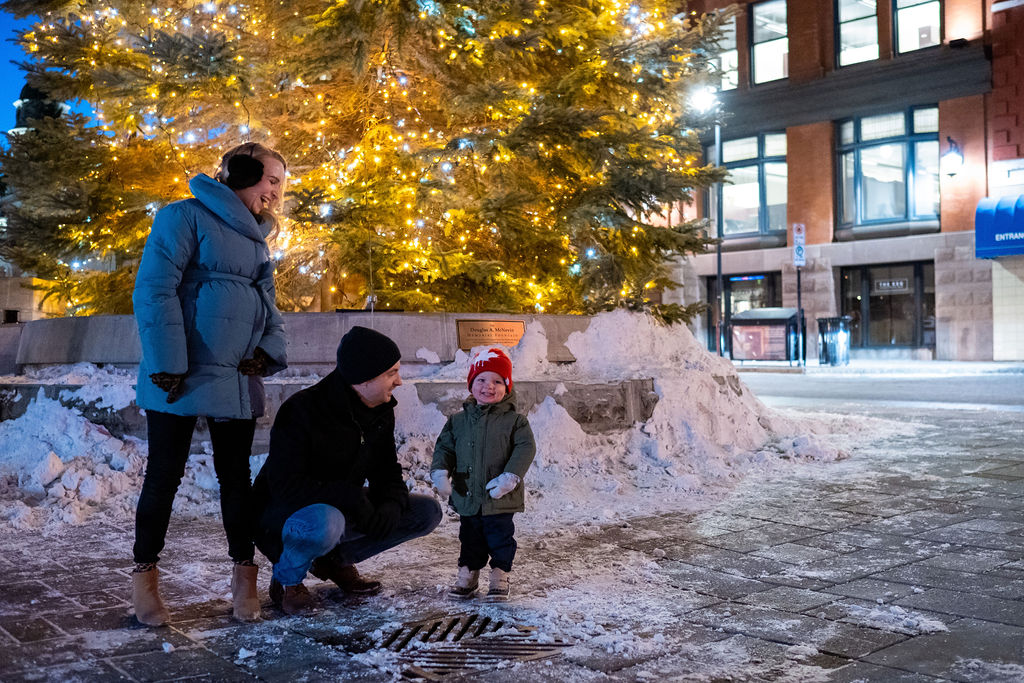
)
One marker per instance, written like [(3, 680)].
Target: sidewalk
[(871, 366), (903, 563)]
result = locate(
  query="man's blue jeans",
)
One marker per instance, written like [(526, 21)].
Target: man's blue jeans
[(317, 530)]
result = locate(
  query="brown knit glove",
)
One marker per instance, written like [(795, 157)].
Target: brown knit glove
[(257, 365), (173, 384)]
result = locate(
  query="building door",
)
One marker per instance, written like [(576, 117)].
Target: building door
[(742, 293), (890, 305)]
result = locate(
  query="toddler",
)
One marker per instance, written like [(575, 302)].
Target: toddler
[(479, 462)]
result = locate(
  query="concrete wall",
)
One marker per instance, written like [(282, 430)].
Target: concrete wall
[(312, 337), (1008, 308), (963, 305), (9, 337)]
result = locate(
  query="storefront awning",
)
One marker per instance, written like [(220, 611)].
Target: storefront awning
[(999, 227)]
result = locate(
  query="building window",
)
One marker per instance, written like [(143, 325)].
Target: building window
[(10, 315), (890, 305), (857, 31), (889, 168), (918, 24), (728, 56), (769, 49), (754, 199)]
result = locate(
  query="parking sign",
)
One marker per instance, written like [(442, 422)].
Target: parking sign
[(799, 257)]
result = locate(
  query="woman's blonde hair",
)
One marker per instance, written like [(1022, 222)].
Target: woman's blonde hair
[(261, 152)]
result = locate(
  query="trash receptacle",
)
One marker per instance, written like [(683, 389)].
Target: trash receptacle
[(765, 334), (834, 340)]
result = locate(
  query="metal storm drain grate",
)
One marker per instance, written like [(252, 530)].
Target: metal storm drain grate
[(461, 649)]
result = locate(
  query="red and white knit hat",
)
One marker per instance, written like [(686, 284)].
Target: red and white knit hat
[(491, 360)]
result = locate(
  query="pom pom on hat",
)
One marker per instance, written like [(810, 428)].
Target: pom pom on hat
[(364, 354), (491, 360)]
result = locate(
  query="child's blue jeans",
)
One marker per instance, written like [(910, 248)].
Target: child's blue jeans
[(317, 530), (487, 535)]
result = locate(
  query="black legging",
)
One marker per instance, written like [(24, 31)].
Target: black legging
[(170, 437)]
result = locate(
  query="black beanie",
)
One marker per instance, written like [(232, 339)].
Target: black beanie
[(364, 353)]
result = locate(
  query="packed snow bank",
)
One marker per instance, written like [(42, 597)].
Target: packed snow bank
[(707, 430)]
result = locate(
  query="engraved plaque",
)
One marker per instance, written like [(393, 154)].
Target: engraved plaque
[(472, 333)]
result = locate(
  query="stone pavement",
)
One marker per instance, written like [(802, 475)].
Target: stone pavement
[(902, 563)]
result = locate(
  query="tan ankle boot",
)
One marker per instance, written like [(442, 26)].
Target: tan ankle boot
[(149, 608), (243, 593)]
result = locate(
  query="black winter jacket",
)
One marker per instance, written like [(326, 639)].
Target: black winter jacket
[(325, 443)]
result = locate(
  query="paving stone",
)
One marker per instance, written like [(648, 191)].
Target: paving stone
[(831, 637), (999, 502), (977, 561), (727, 561), (913, 523), (715, 524), (762, 537), (968, 605), (993, 526), (862, 672), (970, 651), (760, 660), (711, 582), (787, 598), (872, 589), (937, 577), (179, 664), (29, 629), (884, 617), (980, 539), (91, 671), (855, 565), (793, 553)]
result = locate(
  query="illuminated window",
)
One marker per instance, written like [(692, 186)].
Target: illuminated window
[(889, 168), (857, 31), (918, 24), (754, 198), (769, 38)]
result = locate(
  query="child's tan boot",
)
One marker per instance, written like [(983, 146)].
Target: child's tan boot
[(498, 591), (245, 601), (465, 583)]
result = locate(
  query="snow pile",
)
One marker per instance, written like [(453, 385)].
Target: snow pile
[(707, 430)]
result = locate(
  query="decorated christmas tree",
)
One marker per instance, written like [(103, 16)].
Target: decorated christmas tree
[(499, 156)]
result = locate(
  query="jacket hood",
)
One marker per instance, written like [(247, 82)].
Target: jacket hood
[(222, 201)]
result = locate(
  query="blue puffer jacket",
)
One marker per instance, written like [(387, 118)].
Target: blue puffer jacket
[(204, 300)]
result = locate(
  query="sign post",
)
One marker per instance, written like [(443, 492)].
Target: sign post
[(799, 260)]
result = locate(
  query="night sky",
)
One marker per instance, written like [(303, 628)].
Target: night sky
[(11, 77)]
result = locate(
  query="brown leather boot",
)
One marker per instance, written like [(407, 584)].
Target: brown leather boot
[(149, 608), (345, 576), (243, 593), (293, 600)]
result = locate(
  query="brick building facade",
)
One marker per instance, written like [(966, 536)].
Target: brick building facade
[(837, 115)]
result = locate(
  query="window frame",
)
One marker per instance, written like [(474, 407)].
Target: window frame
[(752, 42), (760, 161), (838, 35), (909, 141), (895, 9)]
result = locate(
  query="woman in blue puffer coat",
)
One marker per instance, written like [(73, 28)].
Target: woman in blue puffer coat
[(204, 303)]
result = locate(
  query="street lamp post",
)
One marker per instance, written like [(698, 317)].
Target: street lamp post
[(719, 223), (706, 100)]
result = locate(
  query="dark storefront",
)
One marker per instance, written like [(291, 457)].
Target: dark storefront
[(742, 293), (891, 305)]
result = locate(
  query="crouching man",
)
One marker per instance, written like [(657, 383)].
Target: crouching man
[(314, 513)]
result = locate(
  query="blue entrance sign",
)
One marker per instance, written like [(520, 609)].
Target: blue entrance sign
[(999, 227)]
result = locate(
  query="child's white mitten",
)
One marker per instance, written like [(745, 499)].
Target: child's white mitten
[(502, 484), (441, 482)]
